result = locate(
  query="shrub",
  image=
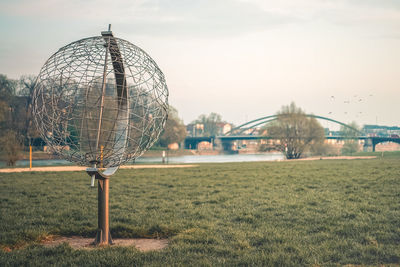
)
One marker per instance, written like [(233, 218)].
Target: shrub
[(10, 147)]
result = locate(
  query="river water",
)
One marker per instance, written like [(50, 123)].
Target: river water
[(172, 160), (215, 158)]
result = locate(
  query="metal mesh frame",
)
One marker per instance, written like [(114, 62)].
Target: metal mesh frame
[(80, 111)]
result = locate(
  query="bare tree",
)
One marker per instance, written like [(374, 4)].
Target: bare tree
[(25, 91), (210, 123), (10, 147), (350, 135), (174, 131), (10, 138), (295, 131)]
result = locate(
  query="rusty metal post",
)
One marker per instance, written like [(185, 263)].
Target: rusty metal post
[(30, 157), (101, 156), (103, 236)]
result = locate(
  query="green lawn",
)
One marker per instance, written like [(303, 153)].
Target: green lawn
[(325, 212)]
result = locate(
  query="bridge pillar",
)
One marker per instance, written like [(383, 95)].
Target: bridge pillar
[(368, 145), (191, 144), (227, 145)]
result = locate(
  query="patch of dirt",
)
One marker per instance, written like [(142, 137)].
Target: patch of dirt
[(6, 249), (78, 242)]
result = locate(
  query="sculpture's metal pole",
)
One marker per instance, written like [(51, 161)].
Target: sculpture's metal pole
[(103, 92), (103, 236)]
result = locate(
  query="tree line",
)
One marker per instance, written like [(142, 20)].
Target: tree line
[(17, 131), (296, 132)]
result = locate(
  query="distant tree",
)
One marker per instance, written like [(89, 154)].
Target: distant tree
[(11, 146), (210, 123), (7, 87), (350, 135), (174, 131), (350, 147), (3, 111), (352, 131), (26, 85), (25, 89), (7, 90), (10, 138), (323, 149), (295, 131), (16, 102)]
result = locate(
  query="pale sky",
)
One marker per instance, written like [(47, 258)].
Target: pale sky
[(243, 59)]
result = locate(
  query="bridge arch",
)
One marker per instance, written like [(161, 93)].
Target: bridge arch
[(378, 140), (193, 142), (264, 120)]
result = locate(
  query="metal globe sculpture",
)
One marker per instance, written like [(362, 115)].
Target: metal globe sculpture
[(100, 102)]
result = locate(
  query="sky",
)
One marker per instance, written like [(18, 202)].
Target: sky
[(243, 59)]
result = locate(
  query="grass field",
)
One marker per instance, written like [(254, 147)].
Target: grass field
[(321, 213)]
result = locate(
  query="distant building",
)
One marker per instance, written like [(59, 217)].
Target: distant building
[(382, 131), (224, 128), (195, 129), (173, 146), (335, 133)]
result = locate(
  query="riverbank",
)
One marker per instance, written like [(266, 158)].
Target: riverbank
[(40, 155), (152, 156), (336, 157), (81, 168), (149, 163), (195, 157)]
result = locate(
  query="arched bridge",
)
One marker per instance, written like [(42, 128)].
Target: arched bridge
[(264, 120), (238, 133)]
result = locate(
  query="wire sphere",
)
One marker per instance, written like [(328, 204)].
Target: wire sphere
[(100, 100)]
